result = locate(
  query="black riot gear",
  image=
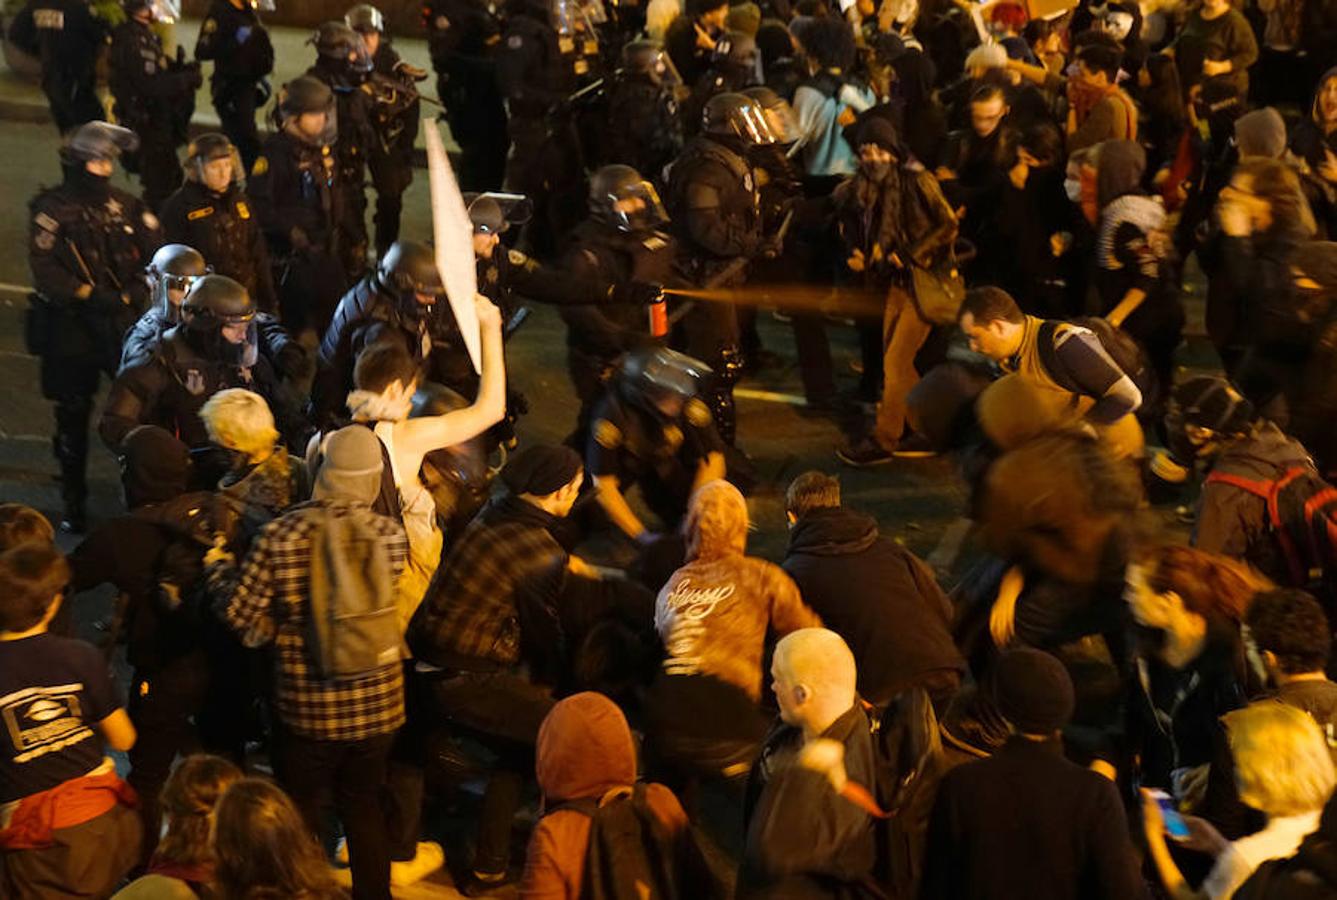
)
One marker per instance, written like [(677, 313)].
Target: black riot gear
[(365, 17), (305, 95), (737, 116), (236, 41), (409, 268), (67, 35), (494, 212), (649, 59), (174, 268), (214, 303), (779, 115), (614, 194), (659, 380), (339, 43), (208, 148), (737, 50), (98, 141)]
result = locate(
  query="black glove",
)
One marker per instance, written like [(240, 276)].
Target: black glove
[(194, 77), (639, 293)]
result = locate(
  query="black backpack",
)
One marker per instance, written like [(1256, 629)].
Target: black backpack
[(1125, 352), (907, 751), (632, 856)]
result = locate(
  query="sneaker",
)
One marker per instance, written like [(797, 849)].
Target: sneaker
[(74, 521), (864, 453), (427, 859), (914, 446)]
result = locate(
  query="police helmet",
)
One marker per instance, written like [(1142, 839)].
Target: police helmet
[(649, 59), (337, 42), (657, 379), (365, 17), (780, 116), (209, 148), (99, 141), (494, 212), (736, 48), (737, 116), (306, 94), (409, 268), (216, 302), (174, 268), (614, 191)]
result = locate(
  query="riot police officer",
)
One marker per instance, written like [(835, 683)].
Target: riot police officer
[(652, 429), (463, 37), (735, 65), (714, 202), (214, 347), (88, 243), (174, 269), (403, 300), (394, 121), (234, 38), (293, 188), (170, 274), (644, 126), (212, 212), (155, 98), (549, 50), (344, 64), (622, 243), (68, 38)]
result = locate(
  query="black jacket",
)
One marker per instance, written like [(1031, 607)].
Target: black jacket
[(238, 45), (803, 839), (1027, 824), (875, 594), (224, 228)]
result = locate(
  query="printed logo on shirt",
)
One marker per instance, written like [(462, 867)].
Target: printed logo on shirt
[(688, 607), (43, 720)]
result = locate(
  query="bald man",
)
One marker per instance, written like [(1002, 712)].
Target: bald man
[(803, 837)]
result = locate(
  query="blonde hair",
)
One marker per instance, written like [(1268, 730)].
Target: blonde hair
[(1282, 763), (240, 420)]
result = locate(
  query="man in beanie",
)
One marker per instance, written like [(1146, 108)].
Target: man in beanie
[(487, 635), (1210, 421), (892, 217), (335, 734), (1026, 822)]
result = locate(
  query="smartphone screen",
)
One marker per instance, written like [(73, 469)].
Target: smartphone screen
[(1174, 822)]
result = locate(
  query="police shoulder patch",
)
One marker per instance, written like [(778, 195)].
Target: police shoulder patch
[(607, 435), (44, 240), (203, 212), (209, 26), (515, 42), (442, 23), (150, 221), (45, 222), (516, 257), (697, 413), (261, 166)]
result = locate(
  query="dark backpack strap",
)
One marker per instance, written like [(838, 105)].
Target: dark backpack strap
[(1044, 346)]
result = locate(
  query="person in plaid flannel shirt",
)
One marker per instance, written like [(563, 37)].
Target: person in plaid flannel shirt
[(334, 736)]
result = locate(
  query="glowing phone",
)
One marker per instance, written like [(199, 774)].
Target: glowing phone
[(1174, 822)]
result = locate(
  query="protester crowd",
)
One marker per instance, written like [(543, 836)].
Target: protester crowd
[(336, 609)]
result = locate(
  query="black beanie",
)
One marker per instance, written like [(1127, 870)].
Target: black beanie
[(1209, 401), (541, 470), (881, 132), (1033, 691), (155, 466)]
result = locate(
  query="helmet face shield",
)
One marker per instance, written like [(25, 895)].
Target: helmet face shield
[(165, 10), (782, 122), (238, 341), (749, 123), (636, 207), (572, 16), (169, 291), (217, 166)]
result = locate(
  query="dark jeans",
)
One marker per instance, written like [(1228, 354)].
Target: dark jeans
[(87, 860), (354, 774), (504, 710)]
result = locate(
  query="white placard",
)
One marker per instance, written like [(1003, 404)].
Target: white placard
[(452, 234)]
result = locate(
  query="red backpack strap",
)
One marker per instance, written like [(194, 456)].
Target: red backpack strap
[(1294, 559), (1263, 489)]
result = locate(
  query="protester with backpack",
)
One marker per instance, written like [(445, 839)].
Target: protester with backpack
[(318, 584), (805, 838), (1246, 459), (154, 556), (1027, 824), (601, 831)]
